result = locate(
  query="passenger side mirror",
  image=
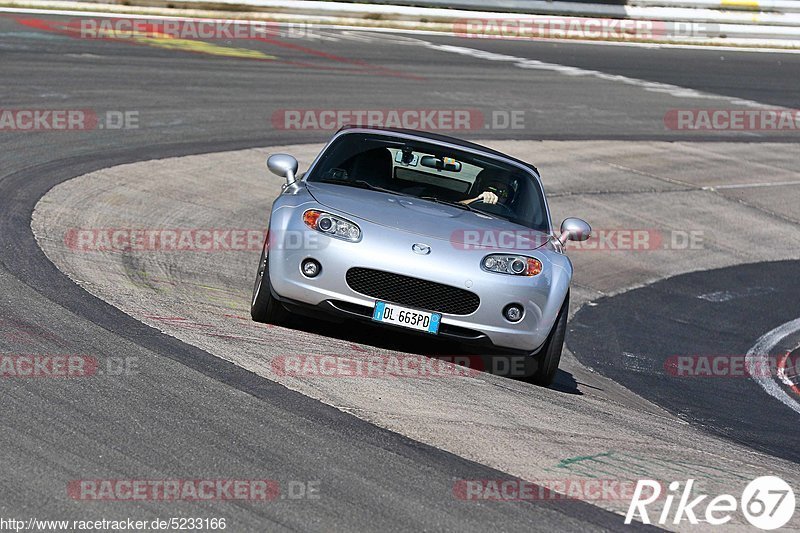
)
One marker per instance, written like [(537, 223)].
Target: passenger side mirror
[(574, 229), (284, 166)]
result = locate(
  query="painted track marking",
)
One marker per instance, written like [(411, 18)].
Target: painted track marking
[(757, 358)]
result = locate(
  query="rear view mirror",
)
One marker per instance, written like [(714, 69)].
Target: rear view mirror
[(445, 163)]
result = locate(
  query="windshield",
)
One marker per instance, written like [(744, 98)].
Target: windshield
[(434, 173)]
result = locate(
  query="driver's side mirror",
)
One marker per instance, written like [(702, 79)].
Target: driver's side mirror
[(284, 166), (574, 229)]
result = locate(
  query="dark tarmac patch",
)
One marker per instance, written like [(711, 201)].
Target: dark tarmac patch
[(637, 339)]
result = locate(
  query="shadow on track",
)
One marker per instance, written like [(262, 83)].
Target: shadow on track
[(517, 367)]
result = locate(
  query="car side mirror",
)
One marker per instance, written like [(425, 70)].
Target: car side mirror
[(284, 166), (574, 229)]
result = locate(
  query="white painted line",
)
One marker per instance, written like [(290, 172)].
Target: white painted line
[(751, 47), (750, 185), (756, 361), (653, 86)]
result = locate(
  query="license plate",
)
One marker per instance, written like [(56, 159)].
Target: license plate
[(407, 318)]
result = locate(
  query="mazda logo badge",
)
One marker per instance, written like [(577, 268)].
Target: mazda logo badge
[(421, 249)]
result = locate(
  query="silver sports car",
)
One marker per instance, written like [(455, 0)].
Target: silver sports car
[(424, 233)]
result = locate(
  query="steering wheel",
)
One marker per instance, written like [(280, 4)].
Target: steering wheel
[(506, 210)]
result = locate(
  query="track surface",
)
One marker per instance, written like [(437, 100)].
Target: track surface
[(189, 414), (699, 314)]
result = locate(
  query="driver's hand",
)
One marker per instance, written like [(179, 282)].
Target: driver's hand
[(487, 197)]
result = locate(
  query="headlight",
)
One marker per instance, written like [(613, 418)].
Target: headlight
[(516, 265), (332, 225)]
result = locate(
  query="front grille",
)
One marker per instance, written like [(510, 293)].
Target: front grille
[(413, 292)]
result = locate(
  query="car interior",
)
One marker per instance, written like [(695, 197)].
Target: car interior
[(406, 169)]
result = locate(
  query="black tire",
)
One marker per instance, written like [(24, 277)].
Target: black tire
[(264, 307), (549, 356)]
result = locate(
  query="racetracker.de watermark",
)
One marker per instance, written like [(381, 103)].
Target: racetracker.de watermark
[(517, 490), (732, 119), (190, 28), (616, 239), (164, 239), (200, 240), (23, 366), (785, 366), (461, 119), (359, 365), (578, 28), (192, 489), (29, 120)]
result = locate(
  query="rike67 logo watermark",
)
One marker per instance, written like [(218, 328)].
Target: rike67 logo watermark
[(767, 503)]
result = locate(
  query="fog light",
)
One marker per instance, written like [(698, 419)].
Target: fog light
[(513, 312), (310, 268)]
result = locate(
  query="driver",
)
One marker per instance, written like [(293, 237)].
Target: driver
[(487, 197), (495, 189)]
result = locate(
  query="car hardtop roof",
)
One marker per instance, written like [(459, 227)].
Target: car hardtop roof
[(441, 138)]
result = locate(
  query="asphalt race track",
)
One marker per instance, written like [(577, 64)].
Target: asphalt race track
[(199, 400), (698, 313)]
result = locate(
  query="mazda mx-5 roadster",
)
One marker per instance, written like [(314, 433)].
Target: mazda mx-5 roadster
[(422, 233)]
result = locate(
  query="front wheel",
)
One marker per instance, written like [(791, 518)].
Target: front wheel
[(550, 354), (264, 307)]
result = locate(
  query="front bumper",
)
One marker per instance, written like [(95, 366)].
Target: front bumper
[(390, 250)]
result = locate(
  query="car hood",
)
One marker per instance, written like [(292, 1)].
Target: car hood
[(424, 218)]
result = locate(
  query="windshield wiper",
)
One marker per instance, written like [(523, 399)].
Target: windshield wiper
[(466, 207), (361, 184)]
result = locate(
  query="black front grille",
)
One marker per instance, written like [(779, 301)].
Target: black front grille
[(413, 292)]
